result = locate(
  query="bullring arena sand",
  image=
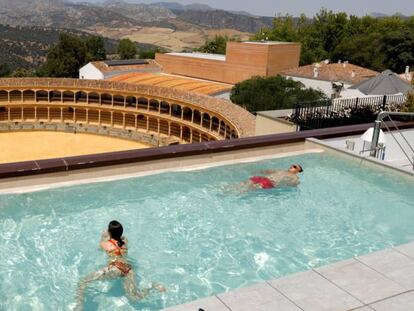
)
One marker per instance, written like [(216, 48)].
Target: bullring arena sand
[(25, 146)]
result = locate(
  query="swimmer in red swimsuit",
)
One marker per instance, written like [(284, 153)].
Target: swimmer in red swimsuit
[(115, 246), (275, 178)]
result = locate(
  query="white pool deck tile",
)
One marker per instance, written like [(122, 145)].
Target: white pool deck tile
[(310, 291), (379, 281), (360, 281), (393, 265), (403, 302), (257, 297), (207, 304), (406, 249)]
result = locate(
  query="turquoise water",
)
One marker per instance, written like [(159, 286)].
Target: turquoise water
[(193, 233)]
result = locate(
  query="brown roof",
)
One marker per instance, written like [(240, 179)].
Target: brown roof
[(104, 68), (172, 81), (343, 72), (407, 77)]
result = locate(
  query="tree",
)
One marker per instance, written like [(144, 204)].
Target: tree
[(376, 43), (127, 49), (357, 49), (398, 48), (65, 58), (4, 70), (95, 48), (272, 93), (148, 54), (217, 45), (23, 72)]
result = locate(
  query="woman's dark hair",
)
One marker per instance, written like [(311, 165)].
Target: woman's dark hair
[(115, 230)]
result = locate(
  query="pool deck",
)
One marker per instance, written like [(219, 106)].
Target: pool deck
[(380, 281)]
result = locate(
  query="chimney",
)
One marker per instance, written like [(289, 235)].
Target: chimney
[(339, 61), (345, 63), (353, 74), (408, 76), (315, 72)]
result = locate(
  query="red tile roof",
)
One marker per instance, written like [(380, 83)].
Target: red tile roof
[(343, 72)]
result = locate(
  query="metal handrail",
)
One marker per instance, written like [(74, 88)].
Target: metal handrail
[(376, 134)]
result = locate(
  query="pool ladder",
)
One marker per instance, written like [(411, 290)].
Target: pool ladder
[(376, 147)]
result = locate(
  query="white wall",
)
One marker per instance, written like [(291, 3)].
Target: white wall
[(326, 87), (393, 153), (90, 72)]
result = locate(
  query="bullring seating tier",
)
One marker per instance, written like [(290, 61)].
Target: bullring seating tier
[(157, 111)]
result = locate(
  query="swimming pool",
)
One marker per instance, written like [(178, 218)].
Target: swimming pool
[(188, 231)]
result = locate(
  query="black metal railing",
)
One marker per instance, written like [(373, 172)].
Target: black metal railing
[(343, 111)]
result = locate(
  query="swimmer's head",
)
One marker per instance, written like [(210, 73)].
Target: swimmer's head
[(115, 230), (295, 169)]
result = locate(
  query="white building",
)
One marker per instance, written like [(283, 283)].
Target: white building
[(101, 70)]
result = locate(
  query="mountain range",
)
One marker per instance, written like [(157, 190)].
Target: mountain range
[(114, 13)]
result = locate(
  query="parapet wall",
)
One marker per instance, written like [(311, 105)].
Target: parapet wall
[(243, 61)]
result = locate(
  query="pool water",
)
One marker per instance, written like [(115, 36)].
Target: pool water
[(196, 234)]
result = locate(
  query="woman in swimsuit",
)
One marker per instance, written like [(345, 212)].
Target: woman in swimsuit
[(115, 245)]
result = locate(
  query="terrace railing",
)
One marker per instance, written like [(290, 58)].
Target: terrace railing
[(343, 111)]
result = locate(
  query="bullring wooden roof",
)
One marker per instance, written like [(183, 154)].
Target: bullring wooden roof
[(175, 82)]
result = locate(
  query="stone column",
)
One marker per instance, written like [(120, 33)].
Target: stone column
[(87, 116), (112, 118), (99, 117), (61, 114), (191, 135), (169, 128), (21, 114), (35, 116), (22, 97), (211, 123), (181, 132), (125, 101), (123, 119), (61, 97), (147, 123), (8, 96), (136, 122), (48, 114)]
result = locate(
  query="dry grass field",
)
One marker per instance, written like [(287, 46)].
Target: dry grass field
[(170, 39)]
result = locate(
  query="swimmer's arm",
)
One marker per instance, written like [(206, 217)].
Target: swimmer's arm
[(104, 239)]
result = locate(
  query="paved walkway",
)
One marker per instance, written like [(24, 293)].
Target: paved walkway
[(381, 281)]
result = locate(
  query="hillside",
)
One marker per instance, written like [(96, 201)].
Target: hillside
[(27, 46), (120, 14)]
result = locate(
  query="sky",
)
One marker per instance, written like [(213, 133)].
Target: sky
[(309, 7)]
